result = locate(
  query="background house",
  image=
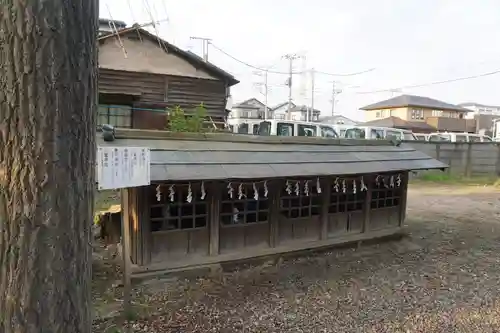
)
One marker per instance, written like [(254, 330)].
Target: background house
[(395, 122), (141, 76), (334, 120), (250, 109), (280, 110), (441, 115), (484, 115)]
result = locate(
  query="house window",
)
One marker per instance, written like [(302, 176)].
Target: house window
[(437, 113), (167, 215), (255, 129), (244, 114), (385, 192), (115, 115), (378, 114), (285, 129), (348, 201), (417, 114), (246, 209), (298, 203)]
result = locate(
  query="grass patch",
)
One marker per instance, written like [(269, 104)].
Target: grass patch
[(450, 179)]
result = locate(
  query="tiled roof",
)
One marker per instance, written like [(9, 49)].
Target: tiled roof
[(416, 101), (191, 156)]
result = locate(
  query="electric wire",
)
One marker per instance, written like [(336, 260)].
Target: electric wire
[(284, 73)]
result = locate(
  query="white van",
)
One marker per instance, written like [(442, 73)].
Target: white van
[(377, 133), (458, 137), (496, 130), (281, 128)]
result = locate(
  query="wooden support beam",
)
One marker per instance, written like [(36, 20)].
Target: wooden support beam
[(274, 186), (326, 187), (404, 197), (126, 250), (367, 206), (214, 195)]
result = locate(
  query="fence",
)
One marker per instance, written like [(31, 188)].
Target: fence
[(466, 159)]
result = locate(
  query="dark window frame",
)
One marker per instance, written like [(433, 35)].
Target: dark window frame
[(301, 206), (348, 202), (247, 207), (108, 114), (179, 215), (385, 196)]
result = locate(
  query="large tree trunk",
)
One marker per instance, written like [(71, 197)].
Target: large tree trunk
[(48, 95)]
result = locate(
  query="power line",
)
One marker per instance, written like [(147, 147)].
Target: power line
[(284, 73), (430, 83)]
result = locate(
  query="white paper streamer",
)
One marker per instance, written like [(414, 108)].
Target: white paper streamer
[(288, 187), (398, 180), (240, 192), (189, 197), (255, 192), (230, 190), (306, 188), (203, 193), (363, 185), (344, 186), (377, 181), (158, 193), (336, 184), (354, 186), (297, 188), (391, 182), (171, 193), (266, 192), (318, 185)]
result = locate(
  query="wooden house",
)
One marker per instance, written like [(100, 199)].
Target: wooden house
[(221, 197), (141, 75)]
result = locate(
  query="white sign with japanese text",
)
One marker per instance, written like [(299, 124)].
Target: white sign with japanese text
[(122, 167)]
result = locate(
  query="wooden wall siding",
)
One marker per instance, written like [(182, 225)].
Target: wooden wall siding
[(339, 224), (179, 244), (198, 244), (149, 87), (302, 229), (143, 119), (190, 92), (384, 218), (241, 237)]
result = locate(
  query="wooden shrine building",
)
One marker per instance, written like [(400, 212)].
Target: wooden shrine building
[(220, 197)]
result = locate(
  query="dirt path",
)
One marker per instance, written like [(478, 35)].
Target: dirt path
[(444, 277)]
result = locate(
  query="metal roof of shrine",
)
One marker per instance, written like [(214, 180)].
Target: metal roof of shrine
[(196, 156)]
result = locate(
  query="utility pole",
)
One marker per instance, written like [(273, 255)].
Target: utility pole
[(290, 58), (312, 93), (265, 92), (335, 92), (204, 42)]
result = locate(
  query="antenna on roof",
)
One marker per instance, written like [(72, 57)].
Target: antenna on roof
[(115, 30)]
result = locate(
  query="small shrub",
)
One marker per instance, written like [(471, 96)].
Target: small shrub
[(179, 122)]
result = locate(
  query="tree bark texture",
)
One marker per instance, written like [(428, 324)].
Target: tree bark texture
[(48, 96)]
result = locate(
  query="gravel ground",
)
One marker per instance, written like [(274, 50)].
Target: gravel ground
[(444, 277)]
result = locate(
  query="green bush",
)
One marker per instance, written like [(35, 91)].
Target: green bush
[(179, 122)]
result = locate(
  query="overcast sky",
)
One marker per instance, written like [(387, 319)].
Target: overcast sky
[(407, 42)]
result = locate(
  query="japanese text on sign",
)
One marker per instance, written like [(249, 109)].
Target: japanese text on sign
[(121, 167)]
